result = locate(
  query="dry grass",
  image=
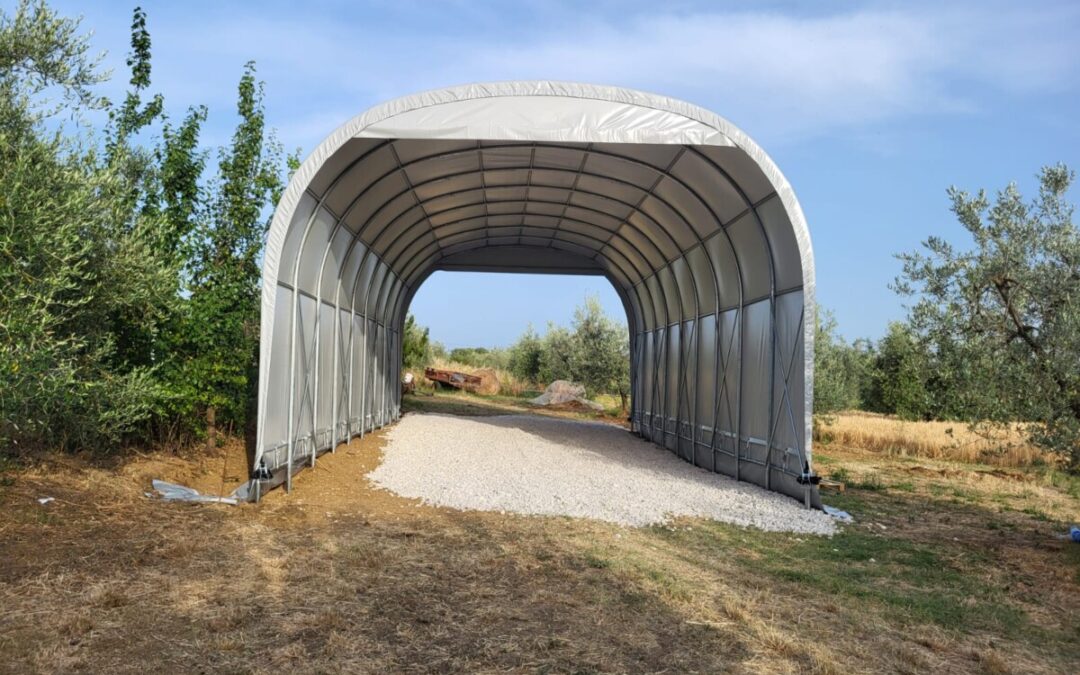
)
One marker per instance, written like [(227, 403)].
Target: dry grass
[(954, 441), (340, 577)]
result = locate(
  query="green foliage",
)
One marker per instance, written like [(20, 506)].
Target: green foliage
[(481, 357), (132, 116), (594, 352), (840, 369), (900, 375), (525, 355), (468, 355), (415, 345), (438, 350), (82, 290), (128, 290), (1004, 316), (177, 196), (43, 53), (600, 351), (221, 338), (557, 356)]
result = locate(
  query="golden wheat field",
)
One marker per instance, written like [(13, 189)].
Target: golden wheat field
[(956, 441)]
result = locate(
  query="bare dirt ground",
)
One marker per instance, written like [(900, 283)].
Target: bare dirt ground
[(341, 577)]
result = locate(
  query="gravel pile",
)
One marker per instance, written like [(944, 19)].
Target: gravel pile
[(548, 466)]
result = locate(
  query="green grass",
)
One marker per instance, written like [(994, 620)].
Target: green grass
[(881, 573), (939, 489), (839, 474), (871, 482), (661, 581), (1069, 483), (1037, 514), (962, 494), (597, 561)]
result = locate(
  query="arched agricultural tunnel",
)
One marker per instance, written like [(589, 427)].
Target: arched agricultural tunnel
[(689, 219)]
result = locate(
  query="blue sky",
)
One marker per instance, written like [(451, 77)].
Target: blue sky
[(871, 109)]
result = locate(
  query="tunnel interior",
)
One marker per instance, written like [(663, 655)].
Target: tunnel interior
[(693, 225)]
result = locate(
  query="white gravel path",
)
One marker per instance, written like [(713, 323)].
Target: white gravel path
[(549, 466)]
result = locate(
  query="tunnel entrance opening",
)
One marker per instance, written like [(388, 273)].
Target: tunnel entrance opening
[(690, 221), (528, 329)]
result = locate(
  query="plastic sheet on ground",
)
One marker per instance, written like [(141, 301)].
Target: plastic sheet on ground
[(837, 514), (171, 492)]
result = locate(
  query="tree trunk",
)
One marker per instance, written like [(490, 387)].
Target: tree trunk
[(211, 429)]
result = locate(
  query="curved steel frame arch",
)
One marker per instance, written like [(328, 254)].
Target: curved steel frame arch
[(641, 240)]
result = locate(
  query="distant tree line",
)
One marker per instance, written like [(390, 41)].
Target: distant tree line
[(593, 351), (129, 252), (895, 375)]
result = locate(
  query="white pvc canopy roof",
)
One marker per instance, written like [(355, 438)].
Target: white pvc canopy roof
[(692, 223)]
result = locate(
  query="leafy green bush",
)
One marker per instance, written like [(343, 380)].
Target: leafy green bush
[(129, 281), (416, 349)]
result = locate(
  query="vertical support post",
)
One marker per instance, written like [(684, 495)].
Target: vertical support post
[(772, 384), (337, 379), (658, 350), (374, 372), (740, 326), (291, 441), (315, 381), (352, 351), (364, 400), (772, 349), (381, 391)]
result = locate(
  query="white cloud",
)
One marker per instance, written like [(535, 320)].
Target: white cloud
[(781, 76), (795, 75)]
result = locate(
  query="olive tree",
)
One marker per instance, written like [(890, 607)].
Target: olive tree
[(599, 356), (899, 375), (415, 344), (526, 355), (1008, 307), (840, 369), (79, 275)]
